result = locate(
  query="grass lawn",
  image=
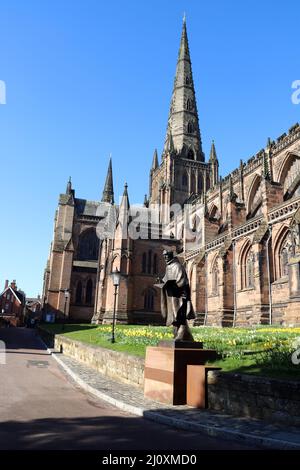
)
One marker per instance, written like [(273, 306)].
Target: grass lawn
[(262, 350)]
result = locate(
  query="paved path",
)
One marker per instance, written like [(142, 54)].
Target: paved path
[(131, 399), (41, 408)]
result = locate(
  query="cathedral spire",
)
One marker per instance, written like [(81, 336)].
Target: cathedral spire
[(108, 192), (155, 160), (183, 122)]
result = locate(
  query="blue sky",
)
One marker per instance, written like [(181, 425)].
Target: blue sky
[(88, 77)]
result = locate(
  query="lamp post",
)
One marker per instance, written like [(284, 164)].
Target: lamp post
[(116, 282), (67, 294)]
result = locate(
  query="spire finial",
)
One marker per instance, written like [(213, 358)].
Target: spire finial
[(69, 186), (213, 154), (184, 18), (266, 167), (108, 191)]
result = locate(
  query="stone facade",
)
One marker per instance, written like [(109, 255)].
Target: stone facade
[(238, 236)]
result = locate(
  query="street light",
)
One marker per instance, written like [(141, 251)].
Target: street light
[(116, 282), (67, 295)]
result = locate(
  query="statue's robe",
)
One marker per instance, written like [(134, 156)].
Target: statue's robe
[(176, 305)]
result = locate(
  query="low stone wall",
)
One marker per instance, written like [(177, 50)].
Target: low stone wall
[(256, 397), (237, 394), (117, 365)]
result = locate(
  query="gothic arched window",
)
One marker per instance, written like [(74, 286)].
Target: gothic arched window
[(144, 263), (255, 199), (193, 184), (78, 296), (187, 80), (190, 127), (247, 267), (291, 181), (191, 155), (89, 292), (155, 264), (200, 183), (184, 180), (149, 300), (189, 104), (286, 251), (249, 272), (215, 279), (284, 259), (88, 245), (149, 264)]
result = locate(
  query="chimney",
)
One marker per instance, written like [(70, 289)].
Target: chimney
[(13, 285), (6, 284)]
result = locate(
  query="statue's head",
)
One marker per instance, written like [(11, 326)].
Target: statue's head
[(168, 255)]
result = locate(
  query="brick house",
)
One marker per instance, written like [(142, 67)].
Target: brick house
[(12, 304), (244, 263)]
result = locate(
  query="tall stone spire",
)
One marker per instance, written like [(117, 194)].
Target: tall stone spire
[(183, 124), (108, 192), (155, 160)]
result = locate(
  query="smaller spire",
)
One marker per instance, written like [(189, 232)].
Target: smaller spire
[(213, 154), (155, 160), (123, 218), (69, 186), (146, 201), (125, 199), (108, 191)]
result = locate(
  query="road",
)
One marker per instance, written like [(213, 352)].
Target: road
[(40, 408)]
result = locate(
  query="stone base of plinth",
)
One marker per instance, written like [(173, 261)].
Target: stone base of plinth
[(165, 378)]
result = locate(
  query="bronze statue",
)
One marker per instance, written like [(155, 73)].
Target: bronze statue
[(176, 305)]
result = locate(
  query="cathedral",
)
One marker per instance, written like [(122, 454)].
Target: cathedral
[(238, 236)]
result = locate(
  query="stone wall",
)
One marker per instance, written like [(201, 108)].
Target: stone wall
[(120, 366), (255, 397), (237, 394)]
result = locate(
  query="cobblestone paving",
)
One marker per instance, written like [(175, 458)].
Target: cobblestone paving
[(131, 399)]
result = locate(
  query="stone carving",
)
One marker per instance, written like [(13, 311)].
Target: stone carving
[(176, 303)]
